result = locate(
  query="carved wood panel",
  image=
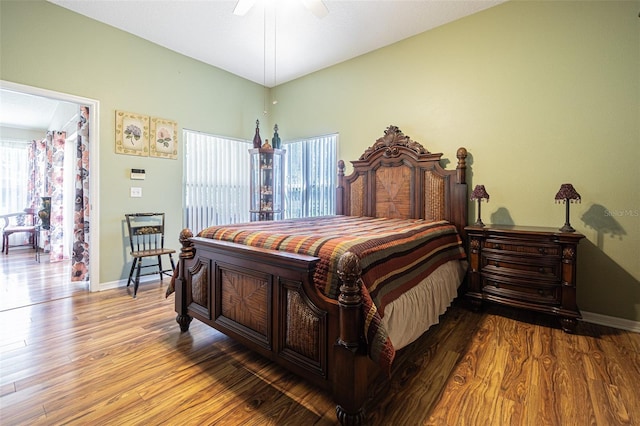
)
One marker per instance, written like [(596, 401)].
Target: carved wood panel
[(393, 192), (244, 299), (199, 283)]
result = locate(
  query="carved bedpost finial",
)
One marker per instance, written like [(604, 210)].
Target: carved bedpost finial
[(350, 300), (187, 251), (461, 169), (349, 268), (340, 169)]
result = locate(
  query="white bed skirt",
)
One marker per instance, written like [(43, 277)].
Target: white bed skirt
[(410, 315)]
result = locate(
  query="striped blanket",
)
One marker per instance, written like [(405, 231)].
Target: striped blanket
[(395, 255)]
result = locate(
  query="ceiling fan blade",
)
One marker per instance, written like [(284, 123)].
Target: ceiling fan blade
[(243, 6), (317, 7)]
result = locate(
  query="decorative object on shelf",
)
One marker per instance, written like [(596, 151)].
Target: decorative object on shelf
[(164, 138), (45, 213), (266, 183), (567, 195), (479, 193), (132, 134), (257, 141), (275, 141)]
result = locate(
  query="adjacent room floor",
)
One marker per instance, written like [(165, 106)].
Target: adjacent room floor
[(27, 281)]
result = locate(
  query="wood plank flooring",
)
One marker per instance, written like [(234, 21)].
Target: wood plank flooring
[(108, 359), (23, 281)]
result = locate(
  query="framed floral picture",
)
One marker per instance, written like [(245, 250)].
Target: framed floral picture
[(164, 138), (132, 133)]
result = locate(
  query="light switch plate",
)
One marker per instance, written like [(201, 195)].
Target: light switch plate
[(136, 192)]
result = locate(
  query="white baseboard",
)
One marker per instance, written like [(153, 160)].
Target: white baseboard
[(615, 322)]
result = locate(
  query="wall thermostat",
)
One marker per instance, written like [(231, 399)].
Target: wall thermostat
[(137, 174)]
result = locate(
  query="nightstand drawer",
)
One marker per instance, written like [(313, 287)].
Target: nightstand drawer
[(526, 267), (539, 294), (512, 246), (533, 268)]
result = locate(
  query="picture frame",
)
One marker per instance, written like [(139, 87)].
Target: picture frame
[(164, 138), (132, 134)]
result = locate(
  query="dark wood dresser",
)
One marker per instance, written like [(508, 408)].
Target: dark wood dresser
[(525, 267)]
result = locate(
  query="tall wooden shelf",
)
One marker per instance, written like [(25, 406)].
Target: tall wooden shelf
[(267, 184)]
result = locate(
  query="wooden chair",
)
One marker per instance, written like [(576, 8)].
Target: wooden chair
[(22, 222), (146, 237)]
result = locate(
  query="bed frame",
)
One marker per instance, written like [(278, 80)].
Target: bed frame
[(267, 300)]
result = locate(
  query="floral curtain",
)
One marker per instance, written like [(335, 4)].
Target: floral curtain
[(46, 169), (37, 157), (46, 179), (37, 185), (55, 189), (80, 256)]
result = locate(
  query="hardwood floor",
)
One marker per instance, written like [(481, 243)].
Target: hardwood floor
[(108, 359), (26, 281)]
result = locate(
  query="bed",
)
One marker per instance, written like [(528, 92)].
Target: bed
[(332, 298)]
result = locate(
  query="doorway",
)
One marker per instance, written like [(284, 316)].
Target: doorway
[(94, 107)]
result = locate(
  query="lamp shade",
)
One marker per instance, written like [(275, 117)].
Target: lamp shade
[(479, 193), (567, 192)]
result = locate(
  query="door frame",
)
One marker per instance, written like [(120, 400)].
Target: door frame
[(94, 167)]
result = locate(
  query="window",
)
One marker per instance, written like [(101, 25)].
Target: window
[(217, 173), (311, 176), (14, 193), (216, 180)]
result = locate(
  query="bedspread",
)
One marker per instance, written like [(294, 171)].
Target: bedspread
[(395, 255)]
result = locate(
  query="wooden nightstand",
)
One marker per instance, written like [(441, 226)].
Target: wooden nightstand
[(526, 267)]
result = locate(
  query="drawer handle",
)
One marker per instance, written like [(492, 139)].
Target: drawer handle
[(541, 270), (542, 250), (498, 247), (541, 292), (496, 264)]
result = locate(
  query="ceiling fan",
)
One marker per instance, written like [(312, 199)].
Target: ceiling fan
[(317, 7)]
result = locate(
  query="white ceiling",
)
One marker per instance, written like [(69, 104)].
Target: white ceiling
[(296, 42), (30, 112)]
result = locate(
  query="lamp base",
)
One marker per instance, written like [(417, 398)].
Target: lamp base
[(479, 221), (567, 228)]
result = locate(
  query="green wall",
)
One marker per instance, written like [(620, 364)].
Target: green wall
[(49, 47), (540, 93)]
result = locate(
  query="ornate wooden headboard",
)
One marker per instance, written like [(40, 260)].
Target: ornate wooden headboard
[(398, 178)]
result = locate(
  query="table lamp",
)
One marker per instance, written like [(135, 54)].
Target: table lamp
[(567, 194), (479, 193)]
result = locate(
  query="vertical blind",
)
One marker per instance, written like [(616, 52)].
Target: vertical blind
[(216, 180), (311, 176), (217, 173)]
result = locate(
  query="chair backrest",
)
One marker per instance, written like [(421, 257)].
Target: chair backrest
[(146, 231), (27, 217)]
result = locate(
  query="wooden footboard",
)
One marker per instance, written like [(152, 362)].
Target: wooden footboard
[(266, 299)]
